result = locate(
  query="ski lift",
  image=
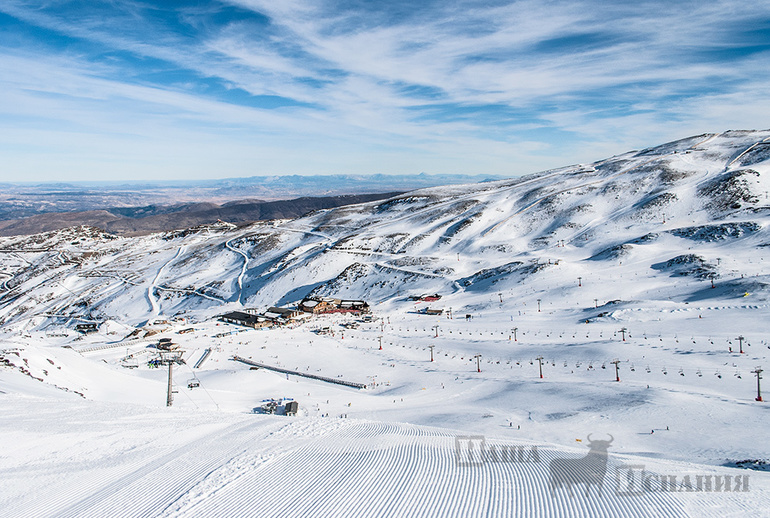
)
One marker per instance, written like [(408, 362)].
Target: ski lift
[(193, 383)]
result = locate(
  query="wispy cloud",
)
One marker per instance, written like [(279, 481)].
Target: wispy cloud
[(319, 86)]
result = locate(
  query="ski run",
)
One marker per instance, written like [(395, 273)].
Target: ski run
[(593, 348)]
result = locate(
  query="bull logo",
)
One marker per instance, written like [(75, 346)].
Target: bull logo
[(589, 470)]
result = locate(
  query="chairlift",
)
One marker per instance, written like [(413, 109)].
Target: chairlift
[(193, 383)]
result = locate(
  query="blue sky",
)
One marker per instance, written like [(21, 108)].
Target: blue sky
[(173, 89)]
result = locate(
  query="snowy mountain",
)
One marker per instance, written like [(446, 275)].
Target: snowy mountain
[(704, 195), (653, 259)]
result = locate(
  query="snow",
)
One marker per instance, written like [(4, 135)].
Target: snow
[(552, 266)]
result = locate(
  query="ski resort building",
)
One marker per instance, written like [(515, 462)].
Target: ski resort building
[(315, 306), (273, 317), (326, 305), (246, 319), (285, 313), (86, 328)]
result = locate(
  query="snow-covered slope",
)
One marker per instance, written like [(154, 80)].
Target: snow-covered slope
[(704, 195), (654, 258)]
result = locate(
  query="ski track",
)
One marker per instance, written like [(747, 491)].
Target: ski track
[(755, 144), (154, 305), (341, 468), (243, 268), (145, 489), (315, 233)]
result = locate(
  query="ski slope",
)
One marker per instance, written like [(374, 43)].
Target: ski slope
[(652, 261), (135, 462)]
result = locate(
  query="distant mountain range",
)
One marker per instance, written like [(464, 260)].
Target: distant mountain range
[(673, 217), (145, 220), (131, 208)]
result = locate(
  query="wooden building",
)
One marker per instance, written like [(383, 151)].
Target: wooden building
[(318, 306), (315, 306), (245, 319)]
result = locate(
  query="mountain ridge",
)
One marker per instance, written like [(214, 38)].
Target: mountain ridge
[(126, 221), (696, 192)]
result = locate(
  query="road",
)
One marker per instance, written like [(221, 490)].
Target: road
[(154, 306), (243, 268)]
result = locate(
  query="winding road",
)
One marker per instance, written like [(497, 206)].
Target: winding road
[(154, 305), (243, 268)]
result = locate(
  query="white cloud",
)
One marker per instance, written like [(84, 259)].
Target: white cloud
[(630, 75)]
